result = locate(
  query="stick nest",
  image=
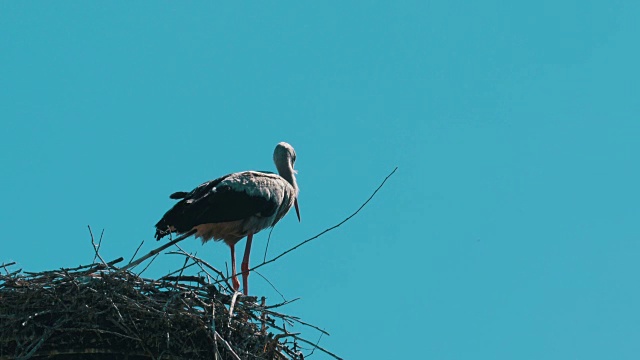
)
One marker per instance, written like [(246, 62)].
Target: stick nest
[(100, 312)]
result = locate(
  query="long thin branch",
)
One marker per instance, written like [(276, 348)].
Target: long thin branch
[(158, 250), (326, 230)]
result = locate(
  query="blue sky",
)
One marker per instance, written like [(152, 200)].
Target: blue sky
[(509, 231)]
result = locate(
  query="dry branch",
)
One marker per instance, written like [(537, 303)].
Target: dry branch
[(326, 230), (158, 250)]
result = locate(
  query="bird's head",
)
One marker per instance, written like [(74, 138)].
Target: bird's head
[(284, 156)]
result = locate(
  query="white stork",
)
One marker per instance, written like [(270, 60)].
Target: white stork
[(236, 205)]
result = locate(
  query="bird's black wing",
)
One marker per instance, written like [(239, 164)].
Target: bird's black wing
[(214, 203)]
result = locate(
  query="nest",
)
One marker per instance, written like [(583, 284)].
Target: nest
[(98, 311)]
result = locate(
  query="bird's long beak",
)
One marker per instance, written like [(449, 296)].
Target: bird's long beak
[(295, 203)]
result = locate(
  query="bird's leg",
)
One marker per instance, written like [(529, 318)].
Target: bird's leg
[(245, 264), (234, 278)]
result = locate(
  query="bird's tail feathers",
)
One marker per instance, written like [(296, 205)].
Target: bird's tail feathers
[(160, 234), (178, 195)]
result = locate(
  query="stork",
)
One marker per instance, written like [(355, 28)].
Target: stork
[(234, 206)]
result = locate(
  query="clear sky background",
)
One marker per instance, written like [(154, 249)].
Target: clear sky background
[(509, 231)]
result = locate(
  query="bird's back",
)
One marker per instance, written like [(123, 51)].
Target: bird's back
[(230, 207)]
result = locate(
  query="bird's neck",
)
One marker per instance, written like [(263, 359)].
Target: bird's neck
[(288, 174)]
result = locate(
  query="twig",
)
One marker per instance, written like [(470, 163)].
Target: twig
[(311, 326), (158, 250), (99, 242), (314, 348), (189, 278), (186, 260), (274, 288), (281, 304), (267, 247), (226, 344), (263, 316), (309, 343), (213, 329), (5, 266), (280, 336), (149, 264), (94, 244), (136, 253), (177, 271), (96, 248), (292, 319)]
